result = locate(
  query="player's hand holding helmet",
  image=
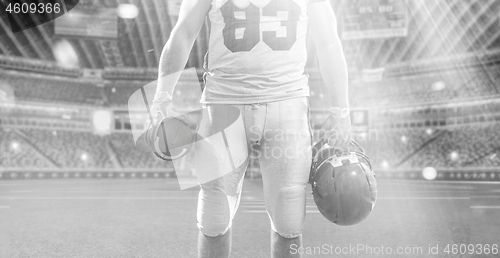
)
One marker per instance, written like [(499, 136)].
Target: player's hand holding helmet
[(166, 131), (337, 127), (343, 183)]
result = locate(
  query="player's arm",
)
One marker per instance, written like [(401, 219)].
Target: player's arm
[(333, 69), (332, 64), (173, 59), (176, 51)]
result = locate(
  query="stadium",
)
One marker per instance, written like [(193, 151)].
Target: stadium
[(424, 89)]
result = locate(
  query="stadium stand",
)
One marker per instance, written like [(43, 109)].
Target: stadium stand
[(43, 89), (71, 149), (118, 93), (467, 146), (387, 148), (447, 86), (129, 156), (410, 148), (451, 147), (16, 152)]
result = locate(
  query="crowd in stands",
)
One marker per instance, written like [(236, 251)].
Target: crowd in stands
[(131, 157), (454, 85), (118, 93), (424, 89), (16, 152), (465, 146), (387, 148), (462, 146), (70, 149), (44, 89)]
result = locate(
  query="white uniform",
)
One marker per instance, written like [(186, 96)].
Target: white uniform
[(257, 53), (256, 60)]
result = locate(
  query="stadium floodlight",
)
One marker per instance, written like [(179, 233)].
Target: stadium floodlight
[(438, 86), (429, 173), (127, 11), (102, 121), (454, 155), (84, 157), (14, 146), (65, 54), (385, 164)]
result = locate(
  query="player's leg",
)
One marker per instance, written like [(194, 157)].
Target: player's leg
[(218, 202), (285, 163), (282, 247), (214, 246)]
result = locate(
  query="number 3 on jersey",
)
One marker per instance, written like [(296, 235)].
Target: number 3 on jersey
[(242, 28)]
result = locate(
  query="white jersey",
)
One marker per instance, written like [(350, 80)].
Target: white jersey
[(257, 51)]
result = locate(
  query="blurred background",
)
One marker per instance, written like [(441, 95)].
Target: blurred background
[(425, 96), (424, 87)]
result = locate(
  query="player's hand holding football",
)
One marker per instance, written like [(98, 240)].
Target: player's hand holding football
[(337, 128), (161, 109)]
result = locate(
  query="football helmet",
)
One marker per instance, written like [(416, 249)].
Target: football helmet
[(343, 183)]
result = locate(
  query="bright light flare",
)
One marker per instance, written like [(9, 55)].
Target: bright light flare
[(101, 120), (65, 54), (14, 146), (127, 11), (429, 173), (438, 86)]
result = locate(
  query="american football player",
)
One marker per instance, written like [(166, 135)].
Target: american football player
[(255, 62)]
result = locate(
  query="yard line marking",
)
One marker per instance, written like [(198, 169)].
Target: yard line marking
[(423, 198), (195, 198), (472, 182), (104, 198), (392, 198), (262, 206), (258, 211), (104, 191), (485, 207), (437, 181), (426, 190)]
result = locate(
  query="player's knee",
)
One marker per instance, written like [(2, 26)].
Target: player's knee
[(289, 214), (215, 213)]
